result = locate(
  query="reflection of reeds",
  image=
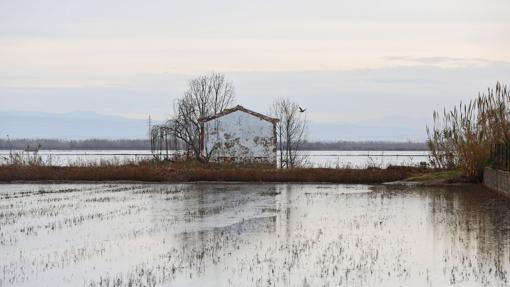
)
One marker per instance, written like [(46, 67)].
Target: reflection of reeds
[(463, 137), (191, 171)]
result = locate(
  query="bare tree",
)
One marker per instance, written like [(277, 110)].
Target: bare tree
[(290, 131), (206, 95)]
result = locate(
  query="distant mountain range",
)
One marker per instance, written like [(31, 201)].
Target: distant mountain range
[(397, 129), (86, 125), (73, 125)]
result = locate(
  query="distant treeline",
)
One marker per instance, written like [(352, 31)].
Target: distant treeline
[(143, 144), (89, 144), (365, 145)]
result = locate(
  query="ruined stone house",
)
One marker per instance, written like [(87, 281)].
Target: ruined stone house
[(239, 135)]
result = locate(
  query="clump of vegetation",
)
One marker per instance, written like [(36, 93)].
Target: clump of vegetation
[(195, 171), (465, 136), (23, 158)]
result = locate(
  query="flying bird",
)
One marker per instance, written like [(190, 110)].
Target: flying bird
[(301, 110)]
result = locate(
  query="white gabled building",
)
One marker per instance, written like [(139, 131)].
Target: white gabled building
[(239, 135)]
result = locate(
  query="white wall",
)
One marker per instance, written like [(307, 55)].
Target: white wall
[(242, 136)]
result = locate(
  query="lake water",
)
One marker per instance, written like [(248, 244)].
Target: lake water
[(354, 159), (252, 235)]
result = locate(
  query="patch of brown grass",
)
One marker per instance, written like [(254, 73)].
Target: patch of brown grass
[(192, 171)]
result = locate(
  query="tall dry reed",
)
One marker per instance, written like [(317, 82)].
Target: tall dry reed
[(464, 137)]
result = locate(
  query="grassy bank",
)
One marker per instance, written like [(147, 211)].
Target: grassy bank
[(180, 172)]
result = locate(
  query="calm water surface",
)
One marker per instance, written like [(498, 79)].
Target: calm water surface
[(252, 235)]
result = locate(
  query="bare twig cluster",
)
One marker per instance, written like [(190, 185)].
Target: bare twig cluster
[(206, 95), (290, 131), (164, 142)]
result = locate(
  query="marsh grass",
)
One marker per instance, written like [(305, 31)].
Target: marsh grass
[(449, 175), (30, 167), (195, 171), (24, 158)]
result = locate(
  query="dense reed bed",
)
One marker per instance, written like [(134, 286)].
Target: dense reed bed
[(465, 136), (191, 171)]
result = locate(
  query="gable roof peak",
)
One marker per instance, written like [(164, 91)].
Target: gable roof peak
[(239, 108)]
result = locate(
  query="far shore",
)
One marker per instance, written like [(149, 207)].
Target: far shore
[(144, 144)]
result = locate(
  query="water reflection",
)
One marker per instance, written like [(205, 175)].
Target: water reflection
[(252, 235)]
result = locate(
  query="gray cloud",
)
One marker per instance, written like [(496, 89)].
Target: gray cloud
[(441, 60)]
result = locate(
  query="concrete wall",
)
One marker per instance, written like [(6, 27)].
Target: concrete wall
[(497, 180), (240, 136)]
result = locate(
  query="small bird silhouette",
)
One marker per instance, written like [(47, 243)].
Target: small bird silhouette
[(301, 110)]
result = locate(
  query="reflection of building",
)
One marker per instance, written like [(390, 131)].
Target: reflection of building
[(239, 135)]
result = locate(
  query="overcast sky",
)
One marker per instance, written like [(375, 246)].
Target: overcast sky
[(347, 61)]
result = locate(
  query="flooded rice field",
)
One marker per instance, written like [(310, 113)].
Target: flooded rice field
[(252, 235)]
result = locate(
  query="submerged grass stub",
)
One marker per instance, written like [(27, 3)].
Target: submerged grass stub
[(236, 235)]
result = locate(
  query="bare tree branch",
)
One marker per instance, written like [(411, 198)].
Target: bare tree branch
[(206, 95), (291, 130)]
